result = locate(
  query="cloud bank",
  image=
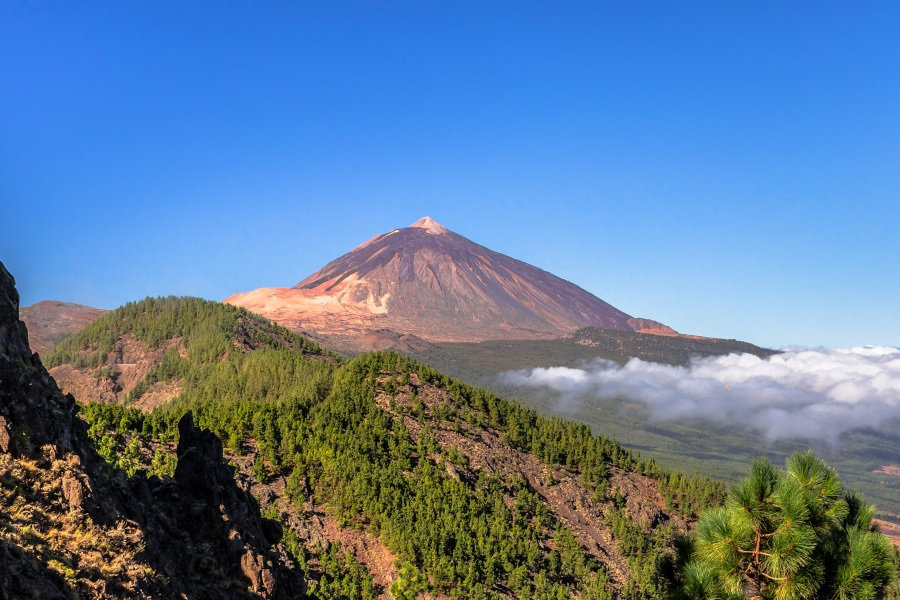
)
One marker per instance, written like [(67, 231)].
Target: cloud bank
[(801, 394)]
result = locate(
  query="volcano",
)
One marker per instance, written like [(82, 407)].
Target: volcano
[(430, 282)]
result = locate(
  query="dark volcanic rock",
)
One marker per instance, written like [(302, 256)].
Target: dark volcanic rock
[(213, 525), (33, 411), (197, 536)]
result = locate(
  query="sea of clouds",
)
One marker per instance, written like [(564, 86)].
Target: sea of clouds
[(800, 394)]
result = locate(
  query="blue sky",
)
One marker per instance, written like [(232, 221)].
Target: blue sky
[(730, 169)]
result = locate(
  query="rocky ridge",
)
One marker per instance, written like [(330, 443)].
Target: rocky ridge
[(73, 527)]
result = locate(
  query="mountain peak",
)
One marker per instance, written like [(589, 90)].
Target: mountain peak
[(433, 283), (430, 225)]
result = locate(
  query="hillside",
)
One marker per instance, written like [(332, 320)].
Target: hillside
[(427, 281), (712, 449), (381, 473), (49, 322), (660, 348), (473, 360), (480, 495), (409, 470), (135, 354)]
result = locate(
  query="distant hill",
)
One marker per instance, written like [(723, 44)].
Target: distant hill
[(661, 347), (138, 353), (478, 362), (427, 281), (50, 321)]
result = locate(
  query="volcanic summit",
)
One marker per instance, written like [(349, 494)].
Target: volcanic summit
[(430, 282)]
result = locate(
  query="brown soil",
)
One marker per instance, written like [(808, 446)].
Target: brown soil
[(49, 322), (891, 530), (159, 393)]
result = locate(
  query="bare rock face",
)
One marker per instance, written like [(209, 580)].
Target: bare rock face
[(430, 282), (34, 412), (198, 535), (5, 438), (258, 572), (73, 491)]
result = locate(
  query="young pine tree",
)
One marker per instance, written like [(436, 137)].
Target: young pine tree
[(789, 535)]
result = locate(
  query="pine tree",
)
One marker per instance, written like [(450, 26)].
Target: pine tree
[(789, 535)]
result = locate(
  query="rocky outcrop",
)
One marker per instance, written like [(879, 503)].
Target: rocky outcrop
[(222, 521), (70, 526), (650, 326), (33, 411)]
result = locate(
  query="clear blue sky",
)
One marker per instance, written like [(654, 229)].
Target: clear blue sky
[(730, 169)]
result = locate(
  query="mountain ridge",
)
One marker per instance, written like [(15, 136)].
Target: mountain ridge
[(360, 452)]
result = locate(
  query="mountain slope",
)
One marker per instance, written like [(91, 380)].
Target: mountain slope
[(482, 497), (396, 462), (428, 281), (710, 448), (49, 322)]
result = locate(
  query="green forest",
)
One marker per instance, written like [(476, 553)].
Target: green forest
[(321, 422)]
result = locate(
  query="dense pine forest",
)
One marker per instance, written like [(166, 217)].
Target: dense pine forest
[(475, 496)]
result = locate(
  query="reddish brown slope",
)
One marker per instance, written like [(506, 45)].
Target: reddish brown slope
[(50, 321), (428, 281)]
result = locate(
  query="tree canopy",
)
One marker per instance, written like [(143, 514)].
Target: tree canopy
[(794, 534)]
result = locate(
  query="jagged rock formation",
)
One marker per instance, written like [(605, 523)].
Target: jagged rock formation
[(33, 413), (218, 505), (72, 527), (428, 281)]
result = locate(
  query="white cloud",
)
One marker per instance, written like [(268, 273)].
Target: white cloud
[(808, 394)]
